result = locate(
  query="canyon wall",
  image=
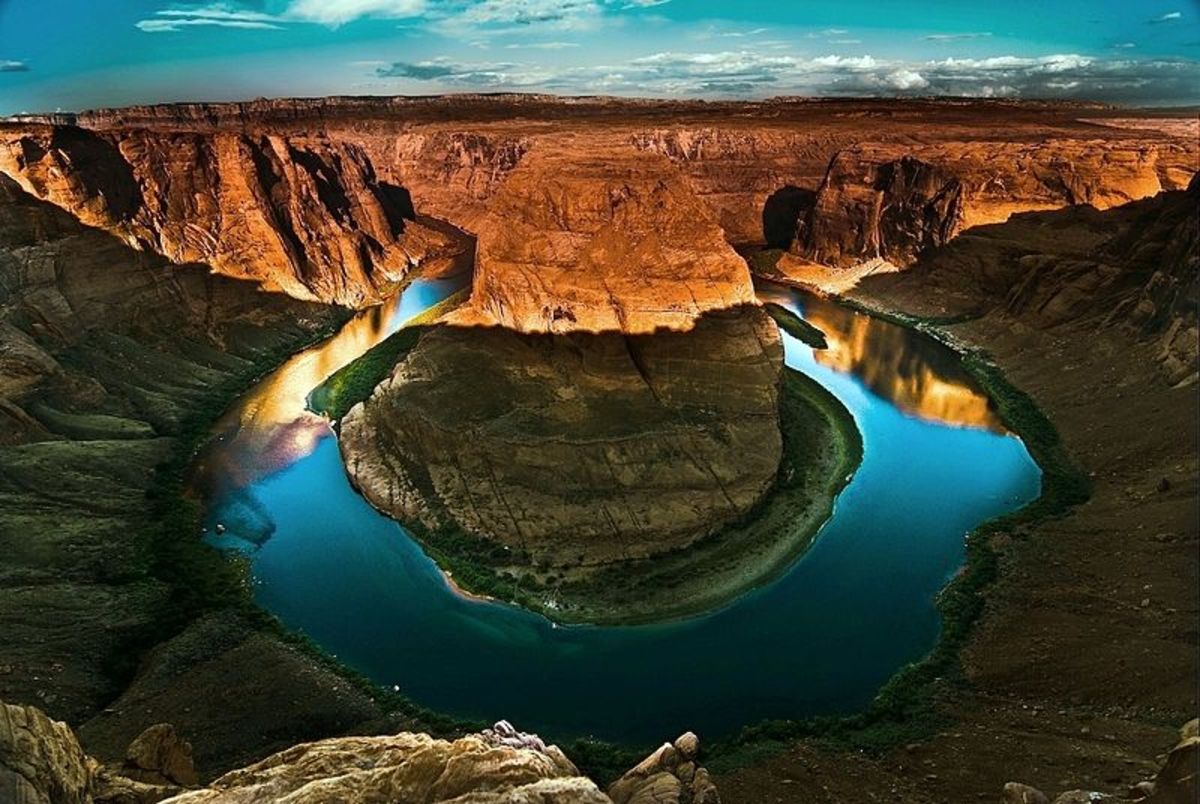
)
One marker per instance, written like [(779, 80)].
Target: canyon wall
[(893, 202), (583, 449), (304, 215)]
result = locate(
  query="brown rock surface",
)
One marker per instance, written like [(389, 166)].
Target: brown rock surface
[(41, 761), (580, 449), (161, 756), (301, 214), (893, 202), (609, 241)]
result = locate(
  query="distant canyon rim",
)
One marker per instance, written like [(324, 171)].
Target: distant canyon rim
[(614, 247)]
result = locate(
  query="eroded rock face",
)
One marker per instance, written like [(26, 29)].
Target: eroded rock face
[(41, 761), (892, 210), (595, 242), (580, 449), (300, 214), (893, 202)]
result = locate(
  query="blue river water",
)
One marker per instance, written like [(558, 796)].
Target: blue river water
[(821, 638)]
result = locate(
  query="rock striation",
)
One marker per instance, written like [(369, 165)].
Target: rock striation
[(302, 214), (575, 449), (614, 241)]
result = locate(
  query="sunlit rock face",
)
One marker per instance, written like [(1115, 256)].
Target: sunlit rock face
[(596, 242), (894, 202), (300, 214), (576, 449)]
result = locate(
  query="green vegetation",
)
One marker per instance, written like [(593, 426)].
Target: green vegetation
[(821, 448), (905, 709), (796, 326), (355, 381)]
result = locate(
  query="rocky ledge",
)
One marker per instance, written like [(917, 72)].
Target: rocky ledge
[(42, 762)]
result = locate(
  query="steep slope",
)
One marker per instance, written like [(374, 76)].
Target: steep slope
[(305, 215)]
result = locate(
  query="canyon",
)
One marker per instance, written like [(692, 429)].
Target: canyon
[(609, 358)]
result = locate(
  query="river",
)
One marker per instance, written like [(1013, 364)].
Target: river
[(822, 638)]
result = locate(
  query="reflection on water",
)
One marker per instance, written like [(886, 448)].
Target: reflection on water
[(914, 372), (821, 639), (269, 428)]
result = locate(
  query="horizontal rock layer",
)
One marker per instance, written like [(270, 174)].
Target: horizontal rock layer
[(578, 449)]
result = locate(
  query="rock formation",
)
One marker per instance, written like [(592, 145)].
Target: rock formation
[(579, 449), (893, 202), (1134, 267), (41, 762), (613, 241), (305, 215)]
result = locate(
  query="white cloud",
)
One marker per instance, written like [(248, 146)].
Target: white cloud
[(905, 80), (761, 73), (213, 15), (339, 12), (541, 45), (955, 37)]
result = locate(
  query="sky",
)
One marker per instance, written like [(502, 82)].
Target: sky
[(76, 54)]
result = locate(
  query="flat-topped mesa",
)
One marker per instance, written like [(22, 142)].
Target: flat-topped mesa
[(892, 202), (303, 215), (601, 242)]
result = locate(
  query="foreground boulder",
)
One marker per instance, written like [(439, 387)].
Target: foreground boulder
[(41, 762)]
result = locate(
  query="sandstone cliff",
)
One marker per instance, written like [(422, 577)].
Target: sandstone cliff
[(579, 449), (305, 215), (893, 202), (613, 241)]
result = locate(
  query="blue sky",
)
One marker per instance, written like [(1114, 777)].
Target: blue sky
[(73, 54)]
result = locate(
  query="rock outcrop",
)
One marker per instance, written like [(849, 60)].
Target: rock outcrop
[(893, 202), (1135, 267), (668, 775), (41, 762), (614, 241), (301, 214), (578, 449)]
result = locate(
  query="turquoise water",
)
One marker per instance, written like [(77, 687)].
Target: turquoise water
[(821, 639)]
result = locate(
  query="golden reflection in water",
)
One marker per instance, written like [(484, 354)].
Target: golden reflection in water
[(918, 375), (269, 427)]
